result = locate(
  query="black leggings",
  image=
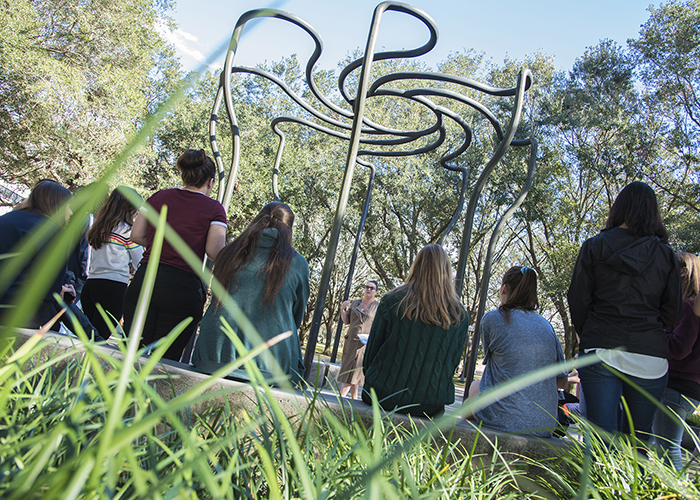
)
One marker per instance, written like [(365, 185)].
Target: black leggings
[(177, 295), (108, 293)]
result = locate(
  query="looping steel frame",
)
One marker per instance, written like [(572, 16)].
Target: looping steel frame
[(355, 128)]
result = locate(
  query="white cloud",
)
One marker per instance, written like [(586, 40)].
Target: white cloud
[(186, 44)]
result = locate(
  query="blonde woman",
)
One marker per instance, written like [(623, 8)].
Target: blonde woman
[(416, 340), (359, 314)]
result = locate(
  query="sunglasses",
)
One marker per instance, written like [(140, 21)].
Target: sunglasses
[(370, 288)]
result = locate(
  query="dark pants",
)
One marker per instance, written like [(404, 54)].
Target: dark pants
[(110, 295), (177, 295)]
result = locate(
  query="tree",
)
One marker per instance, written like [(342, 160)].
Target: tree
[(76, 80), (668, 52)]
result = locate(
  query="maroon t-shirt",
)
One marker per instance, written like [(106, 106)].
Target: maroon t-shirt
[(190, 214)]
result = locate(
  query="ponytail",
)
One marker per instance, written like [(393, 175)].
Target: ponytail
[(521, 282)]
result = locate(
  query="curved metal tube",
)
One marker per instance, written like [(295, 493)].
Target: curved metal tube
[(359, 108), (355, 251), (397, 54), (363, 131), (278, 160), (523, 77), (470, 361)]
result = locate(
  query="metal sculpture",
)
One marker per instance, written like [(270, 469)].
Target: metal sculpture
[(358, 130)]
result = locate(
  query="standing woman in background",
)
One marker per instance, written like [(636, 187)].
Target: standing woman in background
[(416, 340), (114, 259), (178, 292), (682, 394), (359, 314), (625, 290)]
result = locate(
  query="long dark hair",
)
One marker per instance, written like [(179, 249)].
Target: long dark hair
[(521, 282), (637, 207), (237, 254), (430, 291), (116, 210), (196, 168)]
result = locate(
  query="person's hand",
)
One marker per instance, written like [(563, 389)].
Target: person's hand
[(68, 289), (573, 377), (346, 304)]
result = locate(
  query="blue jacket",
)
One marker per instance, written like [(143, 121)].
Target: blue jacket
[(15, 227)]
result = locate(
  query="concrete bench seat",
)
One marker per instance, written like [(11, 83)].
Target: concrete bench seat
[(182, 377)]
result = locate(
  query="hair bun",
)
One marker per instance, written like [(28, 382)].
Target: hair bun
[(192, 159)]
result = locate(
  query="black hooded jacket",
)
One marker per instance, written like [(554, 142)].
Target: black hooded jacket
[(624, 291)]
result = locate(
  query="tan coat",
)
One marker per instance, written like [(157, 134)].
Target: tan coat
[(354, 349)]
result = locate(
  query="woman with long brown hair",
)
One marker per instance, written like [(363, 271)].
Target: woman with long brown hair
[(114, 259), (625, 290), (269, 281), (47, 200), (416, 340)]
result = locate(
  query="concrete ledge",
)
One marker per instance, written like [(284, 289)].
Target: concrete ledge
[(182, 377)]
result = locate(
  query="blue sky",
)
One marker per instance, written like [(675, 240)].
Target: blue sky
[(513, 28)]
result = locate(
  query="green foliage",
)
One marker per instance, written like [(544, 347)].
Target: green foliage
[(604, 467), (54, 423), (77, 80), (667, 51)]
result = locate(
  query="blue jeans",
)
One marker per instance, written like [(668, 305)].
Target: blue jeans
[(604, 390), (669, 431)]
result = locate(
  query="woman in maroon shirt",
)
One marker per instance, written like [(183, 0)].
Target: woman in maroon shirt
[(200, 221)]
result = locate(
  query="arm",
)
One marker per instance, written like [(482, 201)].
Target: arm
[(302, 296), (580, 294), (685, 332), (572, 378), (671, 301), (461, 334), (135, 254), (485, 336), (343, 313), (216, 240), (138, 231), (564, 378)]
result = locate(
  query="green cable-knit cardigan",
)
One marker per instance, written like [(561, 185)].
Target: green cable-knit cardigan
[(409, 364)]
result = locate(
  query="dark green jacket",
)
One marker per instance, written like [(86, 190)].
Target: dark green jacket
[(409, 364), (214, 349)]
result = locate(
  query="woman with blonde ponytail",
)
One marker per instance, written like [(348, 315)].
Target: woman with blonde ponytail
[(269, 281), (416, 340)]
